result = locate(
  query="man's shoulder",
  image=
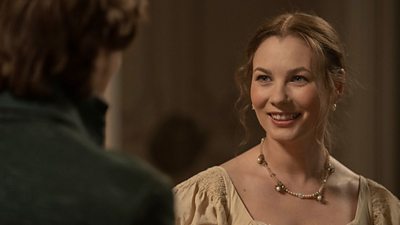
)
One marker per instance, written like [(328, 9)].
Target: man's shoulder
[(133, 166)]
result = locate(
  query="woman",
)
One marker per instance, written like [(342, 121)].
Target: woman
[(293, 78)]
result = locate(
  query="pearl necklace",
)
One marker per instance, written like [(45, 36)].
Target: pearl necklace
[(281, 188)]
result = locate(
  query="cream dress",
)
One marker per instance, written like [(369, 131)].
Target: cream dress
[(210, 198)]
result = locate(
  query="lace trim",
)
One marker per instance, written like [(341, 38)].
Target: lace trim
[(382, 202), (210, 182)]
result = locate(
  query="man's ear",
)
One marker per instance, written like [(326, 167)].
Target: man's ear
[(107, 65)]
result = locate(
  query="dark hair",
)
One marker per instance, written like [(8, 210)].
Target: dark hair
[(327, 63), (50, 45)]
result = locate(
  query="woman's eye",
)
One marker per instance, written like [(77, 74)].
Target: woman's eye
[(299, 79), (263, 78)]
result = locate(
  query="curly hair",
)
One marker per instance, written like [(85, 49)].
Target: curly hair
[(51, 45), (328, 62)]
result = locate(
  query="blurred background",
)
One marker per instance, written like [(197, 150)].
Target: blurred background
[(173, 103)]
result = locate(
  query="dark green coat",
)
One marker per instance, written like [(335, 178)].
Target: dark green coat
[(53, 169)]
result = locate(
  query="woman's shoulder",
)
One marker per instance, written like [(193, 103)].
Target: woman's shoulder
[(375, 191), (379, 191), (202, 198), (384, 206), (210, 181)]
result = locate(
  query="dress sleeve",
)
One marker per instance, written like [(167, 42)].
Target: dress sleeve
[(385, 206), (201, 200)]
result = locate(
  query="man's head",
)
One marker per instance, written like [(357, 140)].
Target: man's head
[(48, 46)]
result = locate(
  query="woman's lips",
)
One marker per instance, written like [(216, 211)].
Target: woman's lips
[(283, 119)]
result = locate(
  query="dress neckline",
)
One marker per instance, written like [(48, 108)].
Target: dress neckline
[(362, 206)]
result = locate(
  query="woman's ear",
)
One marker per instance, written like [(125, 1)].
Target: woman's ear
[(339, 84), (338, 79)]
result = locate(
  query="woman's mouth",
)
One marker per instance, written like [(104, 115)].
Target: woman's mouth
[(284, 116), (284, 119)]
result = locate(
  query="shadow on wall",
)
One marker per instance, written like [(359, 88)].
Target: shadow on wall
[(175, 144)]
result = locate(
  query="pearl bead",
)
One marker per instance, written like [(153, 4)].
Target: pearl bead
[(260, 159), (319, 198), (278, 188), (331, 169)]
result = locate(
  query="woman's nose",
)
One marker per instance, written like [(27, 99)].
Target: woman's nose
[(279, 95)]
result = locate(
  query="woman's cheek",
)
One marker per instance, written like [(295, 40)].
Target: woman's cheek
[(258, 97)]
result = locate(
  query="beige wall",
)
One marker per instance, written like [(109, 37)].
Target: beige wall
[(177, 83)]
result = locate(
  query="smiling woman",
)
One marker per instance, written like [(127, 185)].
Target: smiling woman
[(293, 78), (284, 91)]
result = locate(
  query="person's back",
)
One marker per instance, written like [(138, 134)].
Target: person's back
[(53, 172), (52, 164)]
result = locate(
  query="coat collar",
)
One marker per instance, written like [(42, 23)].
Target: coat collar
[(86, 117)]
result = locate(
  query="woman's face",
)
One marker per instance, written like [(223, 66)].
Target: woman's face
[(283, 89)]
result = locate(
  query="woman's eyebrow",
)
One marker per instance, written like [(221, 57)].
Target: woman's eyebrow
[(295, 70), (298, 69), (262, 70)]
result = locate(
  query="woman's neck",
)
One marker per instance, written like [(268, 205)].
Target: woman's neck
[(302, 160)]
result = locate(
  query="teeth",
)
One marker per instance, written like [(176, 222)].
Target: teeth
[(283, 117)]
